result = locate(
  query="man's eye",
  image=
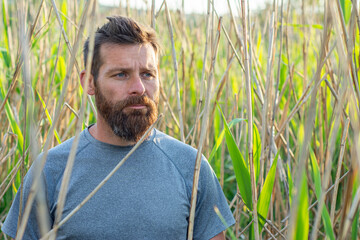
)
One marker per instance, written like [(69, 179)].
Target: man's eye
[(147, 75), (120, 75)]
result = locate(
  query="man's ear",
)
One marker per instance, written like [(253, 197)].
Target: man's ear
[(90, 80)]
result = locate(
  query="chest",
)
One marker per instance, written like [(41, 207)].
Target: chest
[(146, 201)]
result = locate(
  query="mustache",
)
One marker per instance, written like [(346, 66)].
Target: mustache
[(133, 100)]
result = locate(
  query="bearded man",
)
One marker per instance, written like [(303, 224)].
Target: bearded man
[(149, 196)]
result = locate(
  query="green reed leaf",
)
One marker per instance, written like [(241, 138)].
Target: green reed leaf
[(302, 220), (56, 134), (317, 179), (220, 138), (265, 195), (241, 171)]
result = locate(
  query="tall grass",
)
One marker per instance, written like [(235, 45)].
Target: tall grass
[(271, 97)]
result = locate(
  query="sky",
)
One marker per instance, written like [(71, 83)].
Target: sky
[(191, 6)]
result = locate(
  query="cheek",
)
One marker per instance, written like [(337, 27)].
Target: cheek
[(152, 88), (115, 90)]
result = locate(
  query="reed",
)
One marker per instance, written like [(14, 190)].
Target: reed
[(271, 97)]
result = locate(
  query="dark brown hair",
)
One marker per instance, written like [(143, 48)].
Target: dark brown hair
[(119, 30)]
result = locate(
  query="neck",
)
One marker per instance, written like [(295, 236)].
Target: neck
[(102, 132)]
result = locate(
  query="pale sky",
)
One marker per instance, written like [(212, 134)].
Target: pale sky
[(198, 6)]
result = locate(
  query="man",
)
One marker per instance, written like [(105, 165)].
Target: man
[(149, 196)]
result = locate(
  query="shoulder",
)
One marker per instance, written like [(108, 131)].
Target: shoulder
[(174, 149), (61, 152), (181, 154), (56, 157)]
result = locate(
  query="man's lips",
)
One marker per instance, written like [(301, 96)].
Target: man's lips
[(136, 106)]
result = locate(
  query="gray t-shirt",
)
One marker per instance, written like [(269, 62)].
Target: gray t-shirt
[(147, 198)]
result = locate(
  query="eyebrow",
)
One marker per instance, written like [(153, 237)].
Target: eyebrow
[(117, 69), (125, 69), (151, 68)]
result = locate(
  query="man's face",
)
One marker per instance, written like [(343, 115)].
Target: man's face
[(127, 89)]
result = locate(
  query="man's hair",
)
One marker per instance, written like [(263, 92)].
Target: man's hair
[(119, 30)]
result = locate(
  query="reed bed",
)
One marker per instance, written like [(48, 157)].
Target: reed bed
[(270, 97)]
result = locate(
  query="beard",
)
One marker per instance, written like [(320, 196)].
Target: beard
[(127, 123)]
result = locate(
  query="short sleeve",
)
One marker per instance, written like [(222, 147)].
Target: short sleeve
[(207, 223), (11, 222)]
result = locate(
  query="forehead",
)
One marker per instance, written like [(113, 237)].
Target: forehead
[(128, 54)]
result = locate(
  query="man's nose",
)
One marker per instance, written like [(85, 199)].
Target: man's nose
[(136, 86)]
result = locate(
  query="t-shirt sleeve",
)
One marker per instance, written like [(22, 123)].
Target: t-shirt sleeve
[(11, 221), (207, 223)]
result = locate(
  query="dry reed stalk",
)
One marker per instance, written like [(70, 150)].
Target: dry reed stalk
[(9, 34), (70, 127), (348, 209), (305, 96), (185, 42), (264, 127), (41, 163), (237, 212), (350, 217), (356, 11), (219, 89), (28, 106), (233, 48), (269, 232), (259, 73), (168, 18), (87, 198), (11, 151), (71, 109), (287, 36), (20, 60), (64, 33), (323, 121), (160, 8), (338, 172), (153, 14), (220, 85), (310, 120), (229, 59), (127, 8), (316, 201), (202, 81), (250, 118), (240, 43), (69, 19), (12, 176), (73, 150), (59, 47), (43, 215), (278, 231), (24, 42), (281, 94), (203, 133), (25, 60), (184, 88), (346, 205), (328, 158), (349, 46), (259, 91), (246, 227), (162, 94), (277, 83), (305, 43)]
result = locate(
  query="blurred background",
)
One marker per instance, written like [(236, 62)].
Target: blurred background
[(272, 86)]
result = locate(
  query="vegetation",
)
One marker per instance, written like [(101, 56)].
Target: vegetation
[(270, 97)]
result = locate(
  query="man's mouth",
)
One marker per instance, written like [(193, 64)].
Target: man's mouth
[(136, 106)]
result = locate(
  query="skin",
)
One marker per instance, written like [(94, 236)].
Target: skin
[(126, 70), (220, 236)]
